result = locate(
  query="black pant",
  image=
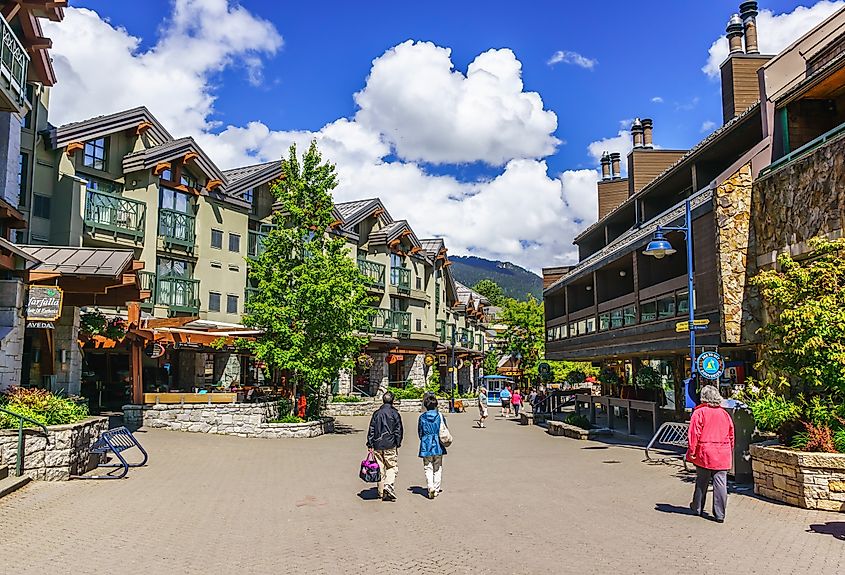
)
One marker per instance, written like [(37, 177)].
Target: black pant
[(516, 407), (719, 479)]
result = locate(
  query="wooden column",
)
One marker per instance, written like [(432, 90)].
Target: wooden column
[(136, 357)]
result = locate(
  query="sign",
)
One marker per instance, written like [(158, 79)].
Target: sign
[(40, 325), (697, 324), (430, 359), (710, 365), (544, 368), (44, 303), (154, 350)]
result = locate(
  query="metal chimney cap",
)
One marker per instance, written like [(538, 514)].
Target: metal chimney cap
[(605, 155), (735, 20), (647, 122), (615, 156), (748, 9)]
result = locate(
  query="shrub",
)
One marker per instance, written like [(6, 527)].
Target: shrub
[(575, 377), (347, 399), (772, 412), (288, 419), (578, 421), (41, 406), (409, 392), (649, 378), (285, 406)]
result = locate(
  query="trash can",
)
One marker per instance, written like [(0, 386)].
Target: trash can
[(743, 430)]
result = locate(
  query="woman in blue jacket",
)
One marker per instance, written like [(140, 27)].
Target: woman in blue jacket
[(431, 450)]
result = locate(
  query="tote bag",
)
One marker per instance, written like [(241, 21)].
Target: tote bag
[(444, 433), (370, 471)]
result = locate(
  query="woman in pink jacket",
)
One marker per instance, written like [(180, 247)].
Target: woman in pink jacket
[(711, 445)]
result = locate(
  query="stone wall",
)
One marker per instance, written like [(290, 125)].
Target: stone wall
[(65, 451), (809, 480), (379, 374), (11, 345), (240, 419), (368, 407), (68, 353), (732, 203)]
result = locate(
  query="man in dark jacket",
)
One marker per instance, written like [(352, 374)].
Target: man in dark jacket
[(384, 439)]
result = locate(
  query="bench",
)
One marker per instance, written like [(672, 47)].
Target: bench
[(115, 441)]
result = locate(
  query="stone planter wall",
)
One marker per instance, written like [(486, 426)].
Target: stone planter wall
[(564, 429), (809, 480), (240, 419), (368, 407), (68, 451)]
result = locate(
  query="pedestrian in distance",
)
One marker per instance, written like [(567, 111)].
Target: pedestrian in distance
[(482, 406), (505, 396), (532, 398), (711, 445), (431, 449), (516, 401), (384, 438)]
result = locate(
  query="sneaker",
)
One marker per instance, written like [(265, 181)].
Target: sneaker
[(694, 510), (432, 493), (389, 493)]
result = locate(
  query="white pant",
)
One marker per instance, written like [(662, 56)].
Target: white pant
[(433, 466)]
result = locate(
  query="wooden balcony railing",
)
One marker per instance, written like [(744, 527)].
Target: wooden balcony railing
[(179, 294), (14, 62), (400, 278), (115, 214), (177, 227), (373, 271)]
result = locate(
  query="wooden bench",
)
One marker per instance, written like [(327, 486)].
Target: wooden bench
[(177, 397)]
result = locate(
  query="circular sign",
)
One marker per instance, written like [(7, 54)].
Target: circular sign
[(154, 350), (544, 368), (710, 365), (430, 360)]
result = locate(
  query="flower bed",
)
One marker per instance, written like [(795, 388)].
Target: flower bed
[(808, 480)]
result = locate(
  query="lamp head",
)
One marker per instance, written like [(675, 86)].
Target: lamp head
[(659, 246)]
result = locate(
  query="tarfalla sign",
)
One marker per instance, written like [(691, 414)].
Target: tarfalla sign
[(44, 304)]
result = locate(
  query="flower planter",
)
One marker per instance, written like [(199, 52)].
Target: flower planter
[(808, 480)]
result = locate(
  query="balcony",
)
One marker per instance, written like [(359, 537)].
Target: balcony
[(148, 283), (374, 273), (255, 244), (402, 323), (441, 330), (115, 215), (178, 294), (177, 228), (400, 278), (386, 321), (14, 62)]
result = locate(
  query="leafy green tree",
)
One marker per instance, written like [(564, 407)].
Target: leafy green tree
[(805, 336), (491, 290), (524, 334), (311, 300), (491, 361)]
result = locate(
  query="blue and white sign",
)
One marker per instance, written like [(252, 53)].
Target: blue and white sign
[(710, 365)]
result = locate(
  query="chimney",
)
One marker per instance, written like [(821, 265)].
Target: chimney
[(637, 133), (648, 129), (605, 166), (735, 33), (748, 12), (615, 170)]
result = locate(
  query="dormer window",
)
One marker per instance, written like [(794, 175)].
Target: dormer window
[(249, 195), (94, 155), (167, 175), (186, 179)]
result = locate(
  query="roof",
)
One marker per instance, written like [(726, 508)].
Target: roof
[(241, 180), (149, 157), (357, 211), (432, 246), (81, 261), (394, 231), (100, 126), (465, 294)]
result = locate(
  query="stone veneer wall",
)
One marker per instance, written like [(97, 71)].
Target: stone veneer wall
[(732, 204), (809, 480), (11, 346), (66, 453), (240, 419), (368, 407)]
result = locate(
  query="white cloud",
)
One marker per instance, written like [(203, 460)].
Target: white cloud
[(657, 100), (574, 58), (707, 126), (622, 142), (774, 31), (414, 106)]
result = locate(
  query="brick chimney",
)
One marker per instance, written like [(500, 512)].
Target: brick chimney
[(637, 133), (748, 13), (615, 165), (605, 166), (735, 33), (648, 129)]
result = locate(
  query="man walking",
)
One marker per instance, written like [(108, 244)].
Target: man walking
[(384, 439)]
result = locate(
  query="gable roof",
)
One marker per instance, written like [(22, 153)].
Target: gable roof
[(467, 295), (101, 126), (394, 231), (433, 246), (357, 211), (241, 180), (149, 157)]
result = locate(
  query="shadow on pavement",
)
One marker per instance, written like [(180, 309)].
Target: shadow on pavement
[(669, 508), (834, 528), (417, 490), (342, 429), (597, 447), (370, 494)]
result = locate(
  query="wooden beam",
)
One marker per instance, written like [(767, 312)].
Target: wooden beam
[(169, 321), (10, 10), (416, 250), (378, 212), (143, 127), (212, 184), (335, 224), (160, 167), (71, 148), (189, 156)]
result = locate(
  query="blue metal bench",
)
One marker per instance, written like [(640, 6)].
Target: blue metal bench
[(115, 441)]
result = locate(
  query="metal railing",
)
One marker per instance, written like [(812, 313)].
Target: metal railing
[(147, 282), (373, 271), (401, 279), (115, 214), (20, 454), (402, 323), (14, 62), (441, 330), (255, 244), (804, 150), (179, 294), (177, 227), (386, 321)]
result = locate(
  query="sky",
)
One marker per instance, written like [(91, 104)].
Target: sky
[(479, 122)]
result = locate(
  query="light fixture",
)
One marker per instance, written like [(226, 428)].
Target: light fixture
[(589, 288), (659, 246), (622, 273)]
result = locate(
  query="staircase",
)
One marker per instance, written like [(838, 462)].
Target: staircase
[(10, 484)]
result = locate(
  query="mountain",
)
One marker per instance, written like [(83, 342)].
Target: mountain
[(515, 281)]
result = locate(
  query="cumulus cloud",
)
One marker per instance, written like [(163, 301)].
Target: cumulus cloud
[(414, 110), (707, 126), (774, 31), (622, 142), (657, 100), (570, 57)]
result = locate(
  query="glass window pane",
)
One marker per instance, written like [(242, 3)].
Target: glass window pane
[(573, 329), (231, 304), (217, 239), (213, 301), (683, 302), (615, 318), (582, 327), (630, 313), (562, 332), (591, 325), (234, 243), (666, 307), (604, 321), (648, 311)]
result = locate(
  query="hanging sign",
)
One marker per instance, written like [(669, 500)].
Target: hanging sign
[(154, 350), (710, 365), (44, 303), (698, 324), (40, 325)]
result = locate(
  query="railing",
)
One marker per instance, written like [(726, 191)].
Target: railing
[(255, 244), (804, 150), (115, 214), (148, 283), (14, 62), (21, 451), (441, 330), (177, 227), (402, 323), (179, 294), (386, 321), (401, 279), (373, 271)]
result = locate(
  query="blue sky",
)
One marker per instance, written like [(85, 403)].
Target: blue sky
[(636, 59)]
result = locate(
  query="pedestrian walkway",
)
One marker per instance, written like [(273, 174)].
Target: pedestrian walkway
[(515, 500)]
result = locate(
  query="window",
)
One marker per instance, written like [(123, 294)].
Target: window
[(419, 325), (561, 332), (604, 321), (630, 313), (666, 307), (94, 155), (186, 179), (217, 239), (419, 282), (234, 268), (582, 327), (166, 174), (249, 195), (573, 329), (41, 206), (23, 172), (216, 265), (234, 242), (616, 319), (550, 334), (101, 185), (231, 304), (213, 301), (591, 325), (648, 311), (170, 268), (174, 200), (683, 303)]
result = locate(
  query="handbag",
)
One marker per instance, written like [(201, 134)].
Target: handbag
[(444, 434), (370, 470)]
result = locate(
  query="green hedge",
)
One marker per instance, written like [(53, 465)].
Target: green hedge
[(41, 406)]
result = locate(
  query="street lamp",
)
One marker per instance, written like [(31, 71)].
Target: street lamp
[(660, 247), (453, 370)]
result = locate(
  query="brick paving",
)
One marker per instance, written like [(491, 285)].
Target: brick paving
[(515, 501)]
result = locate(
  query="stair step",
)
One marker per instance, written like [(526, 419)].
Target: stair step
[(4, 472), (12, 484)]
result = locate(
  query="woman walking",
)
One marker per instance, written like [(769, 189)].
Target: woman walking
[(482, 406), (431, 450), (711, 445), (516, 402), (505, 396)]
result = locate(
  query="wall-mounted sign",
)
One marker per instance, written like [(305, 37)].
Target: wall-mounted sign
[(154, 350), (44, 303), (430, 360), (544, 368), (710, 365), (40, 325)]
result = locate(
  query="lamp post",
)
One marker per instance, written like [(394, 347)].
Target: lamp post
[(660, 247), (453, 370)]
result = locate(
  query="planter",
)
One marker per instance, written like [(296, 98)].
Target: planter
[(808, 480), (68, 451), (572, 431)]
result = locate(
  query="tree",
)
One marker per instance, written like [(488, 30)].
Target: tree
[(805, 301), (311, 299), (491, 290), (524, 334)]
